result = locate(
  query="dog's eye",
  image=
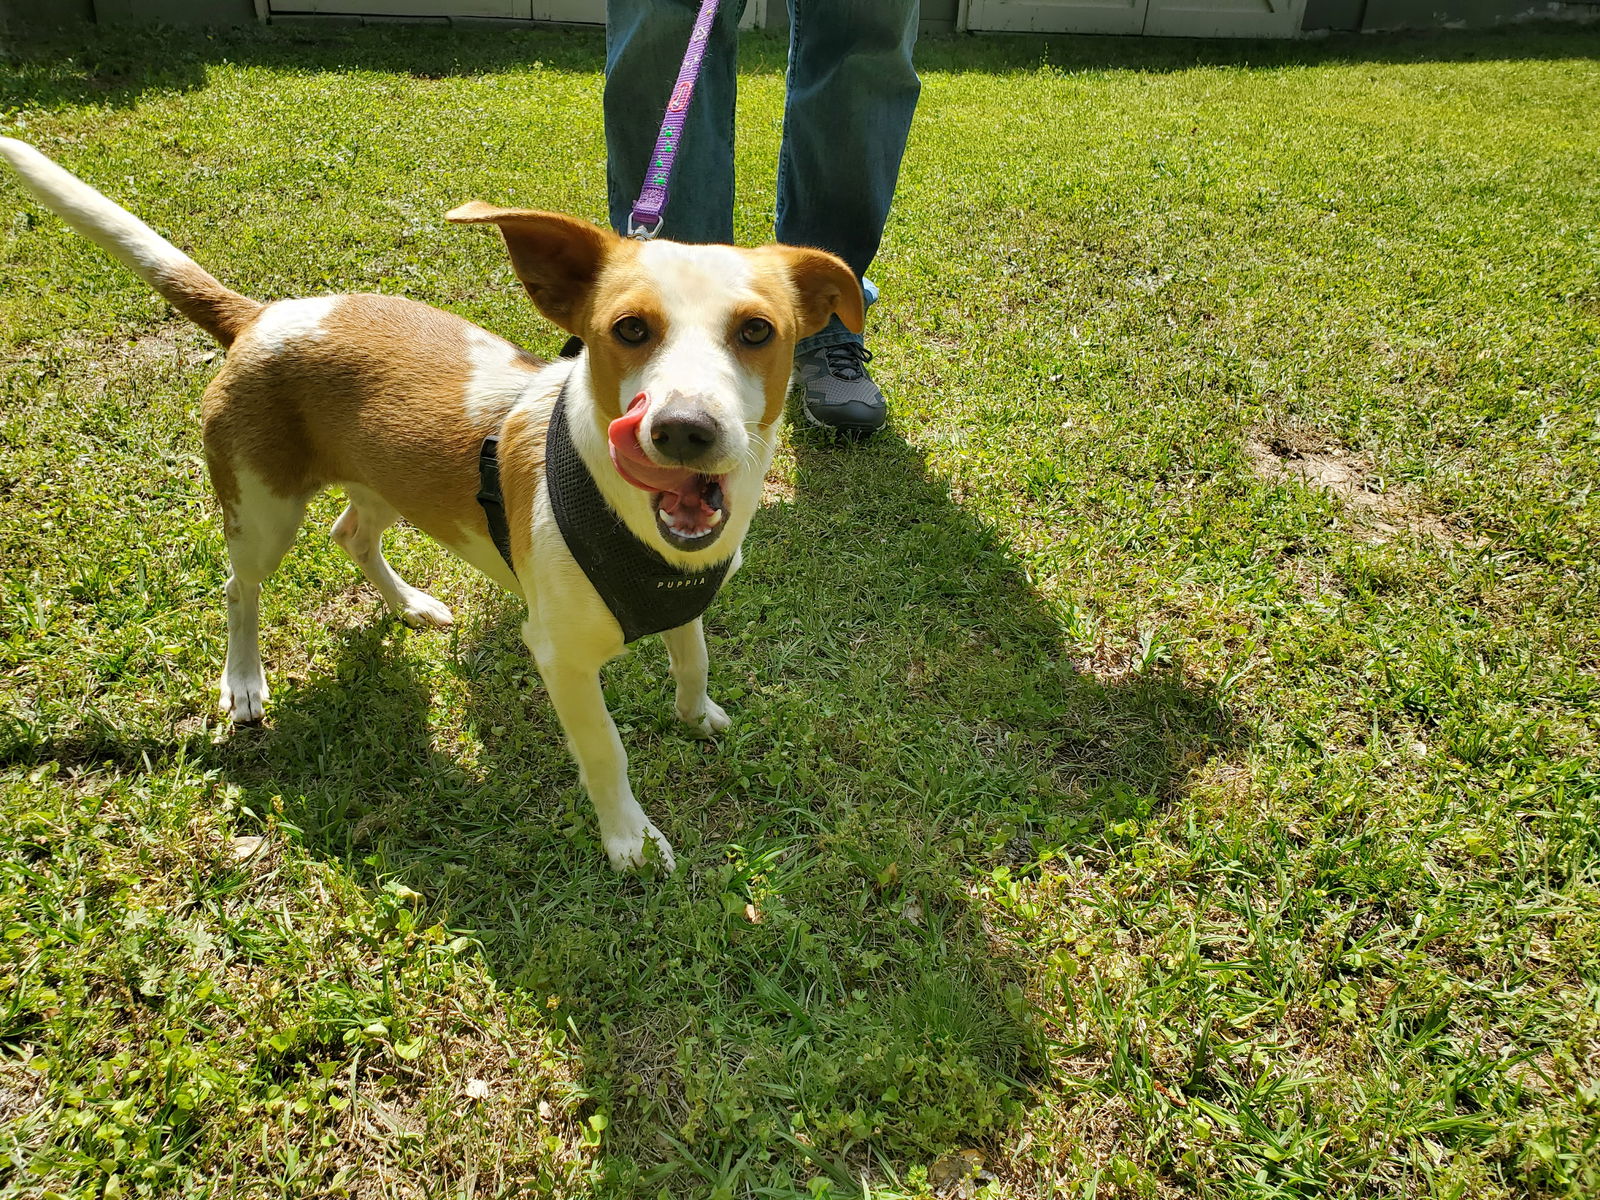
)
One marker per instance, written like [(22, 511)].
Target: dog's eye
[(755, 332), (631, 330)]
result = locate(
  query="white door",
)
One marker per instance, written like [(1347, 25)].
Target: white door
[(593, 12), (517, 9), (1224, 18), (573, 12), (1155, 18), (1056, 16)]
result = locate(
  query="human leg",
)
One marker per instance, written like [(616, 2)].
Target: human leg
[(852, 91)]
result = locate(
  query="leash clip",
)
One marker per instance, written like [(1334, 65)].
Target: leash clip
[(640, 231)]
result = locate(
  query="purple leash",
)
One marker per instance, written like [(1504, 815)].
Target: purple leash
[(651, 206)]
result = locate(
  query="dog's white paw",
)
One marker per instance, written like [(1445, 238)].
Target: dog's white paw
[(708, 722), (631, 851), (243, 698), (422, 611)]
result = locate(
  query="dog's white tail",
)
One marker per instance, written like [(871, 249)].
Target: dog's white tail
[(186, 285)]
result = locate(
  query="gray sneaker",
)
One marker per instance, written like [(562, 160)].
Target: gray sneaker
[(839, 394)]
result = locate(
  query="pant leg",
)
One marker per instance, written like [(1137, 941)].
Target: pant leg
[(851, 94), (645, 41)]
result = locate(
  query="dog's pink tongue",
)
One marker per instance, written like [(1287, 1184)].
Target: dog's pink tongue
[(635, 466)]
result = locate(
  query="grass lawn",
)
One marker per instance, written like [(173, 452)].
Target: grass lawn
[(1164, 762)]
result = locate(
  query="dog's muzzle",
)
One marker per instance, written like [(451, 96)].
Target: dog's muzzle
[(690, 506)]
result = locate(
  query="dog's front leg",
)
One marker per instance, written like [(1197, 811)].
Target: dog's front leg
[(686, 657), (574, 688)]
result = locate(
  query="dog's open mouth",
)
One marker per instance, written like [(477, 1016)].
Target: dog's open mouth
[(690, 508), (692, 517)]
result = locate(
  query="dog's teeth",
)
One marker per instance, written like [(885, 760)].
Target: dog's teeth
[(690, 534), (671, 521)]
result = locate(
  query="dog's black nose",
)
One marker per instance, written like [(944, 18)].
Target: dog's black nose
[(684, 433)]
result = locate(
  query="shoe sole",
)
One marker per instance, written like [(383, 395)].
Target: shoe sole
[(850, 430)]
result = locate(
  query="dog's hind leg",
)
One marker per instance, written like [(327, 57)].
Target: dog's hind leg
[(359, 532), (686, 658), (260, 526)]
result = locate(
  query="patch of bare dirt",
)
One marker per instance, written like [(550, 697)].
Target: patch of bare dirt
[(170, 342), (776, 489), (1383, 513), (352, 607), (94, 366), (21, 1089)]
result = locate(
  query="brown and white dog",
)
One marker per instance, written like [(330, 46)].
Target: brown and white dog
[(688, 349)]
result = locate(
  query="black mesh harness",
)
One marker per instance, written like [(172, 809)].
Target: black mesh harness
[(645, 593)]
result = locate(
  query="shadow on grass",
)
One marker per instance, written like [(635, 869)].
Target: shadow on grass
[(909, 734), (836, 957), (95, 66)]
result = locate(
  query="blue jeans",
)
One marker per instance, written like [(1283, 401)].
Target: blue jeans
[(851, 93)]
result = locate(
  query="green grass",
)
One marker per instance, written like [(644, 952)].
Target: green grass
[(1102, 796)]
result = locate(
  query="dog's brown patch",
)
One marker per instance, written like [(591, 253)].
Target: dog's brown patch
[(775, 282), (522, 448), (376, 395), (220, 311), (823, 285), (625, 288), (557, 257)]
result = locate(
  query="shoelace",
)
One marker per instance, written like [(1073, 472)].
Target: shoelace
[(845, 361)]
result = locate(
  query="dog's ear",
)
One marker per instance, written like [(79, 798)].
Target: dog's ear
[(826, 286), (557, 257)]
